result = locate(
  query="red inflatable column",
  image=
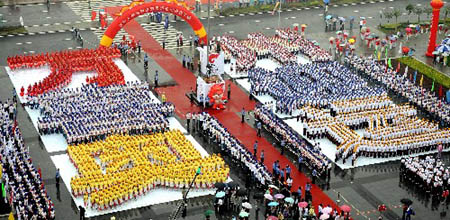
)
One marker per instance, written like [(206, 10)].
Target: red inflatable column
[(436, 5)]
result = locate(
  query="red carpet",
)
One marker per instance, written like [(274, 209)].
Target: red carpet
[(229, 117)]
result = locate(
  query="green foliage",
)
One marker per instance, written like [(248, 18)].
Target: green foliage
[(12, 30), (428, 11), (418, 11), (388, 15), (396, 13), (410, 8), (426, 70), (266, 8)]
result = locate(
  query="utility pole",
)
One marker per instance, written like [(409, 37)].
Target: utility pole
[(279, 15), (208, 33), (176, 212)]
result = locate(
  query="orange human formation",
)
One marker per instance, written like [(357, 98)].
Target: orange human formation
[(123, 167), (64, 63)]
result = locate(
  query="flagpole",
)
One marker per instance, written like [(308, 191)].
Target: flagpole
[(207, 35), (279, 15)]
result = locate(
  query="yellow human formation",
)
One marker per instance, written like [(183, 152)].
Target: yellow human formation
[(123, 167)]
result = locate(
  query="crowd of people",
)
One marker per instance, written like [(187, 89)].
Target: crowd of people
[(429, 175), (306, 47), (315, 84), (276, 48), (23, 182), (230, 146), (232, 48), (91, 112), (311, 155), (132, 165), (403, 86), (64, 63)]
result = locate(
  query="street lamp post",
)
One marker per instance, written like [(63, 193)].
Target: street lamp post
[(89, 4), (279, 16), (208, 34)]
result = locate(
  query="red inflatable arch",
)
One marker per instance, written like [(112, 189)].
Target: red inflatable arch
[(148, 7)]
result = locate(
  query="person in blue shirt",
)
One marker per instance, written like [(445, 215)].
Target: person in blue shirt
[(255, 148), (314, 175), (262, 156), (258, 126), (156, 78), (300, 163), (242, 115), (145, 61), (288, 171)]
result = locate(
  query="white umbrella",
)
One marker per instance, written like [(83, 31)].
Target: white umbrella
[(273, 187), (247, 205)]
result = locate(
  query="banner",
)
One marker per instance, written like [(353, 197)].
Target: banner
[(202, 59), (275, 8), (217, 62)]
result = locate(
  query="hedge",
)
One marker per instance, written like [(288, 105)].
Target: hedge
[(428, 71), (12, 30), (269, 7)]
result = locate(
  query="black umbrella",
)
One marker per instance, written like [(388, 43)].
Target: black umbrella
[(233, 184), (241, 192), (258, 196), (286, 192), (406, 201), (219, 185)]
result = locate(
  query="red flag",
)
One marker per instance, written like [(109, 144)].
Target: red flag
[(398, 67), (93, 15), (102, 22), (441, 92)]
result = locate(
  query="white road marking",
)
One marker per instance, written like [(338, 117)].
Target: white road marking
[(31, 51), (356, 11), (231, 32), (257, 21), (221, 24), (19, 43), (28, 42), (268, 28), (320, 15), (67, 39), (46, 24)]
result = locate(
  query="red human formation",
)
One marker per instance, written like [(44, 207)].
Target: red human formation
[(64, 63)]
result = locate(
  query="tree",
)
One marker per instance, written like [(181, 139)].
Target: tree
[(409, 8), (446, 12), (388, 15), (428, 11), (396, 13), (418, 11)]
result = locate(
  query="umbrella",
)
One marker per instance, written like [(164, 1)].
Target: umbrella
[(258, 196), (405, 49), (383, 42), (268, 196), (331, 39), (219, 185), (443, 48), (279, 196), (220, 194), (445, 54), (241, 192), (412, 25), (271, 204), (209, 212), (408, 29), (342, 19), (393, 37), (435, 52), (346, 208), (243, 214), (406, 201), (273, 187), (232, 184), (363, 29), (272, 218), (328, 17), (327, 210), (324, 216), (338, 32), (315, 43), (351, 40), (446, 41), (362, 18), (247, 205), (302, 204), (352, 17), (289, 200), (373, 35), (304, 25)]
